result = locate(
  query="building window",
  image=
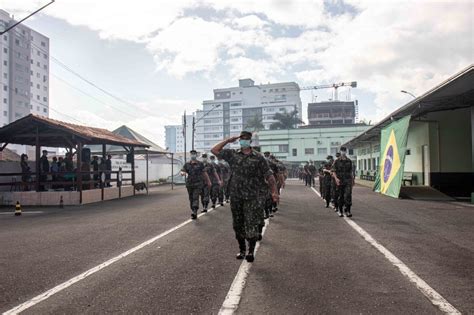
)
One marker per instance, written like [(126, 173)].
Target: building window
[(37, 86), (5, 63), (5, 101), (5, 75), (38, 97), (283, 148), (5, 37), (38, 75), (17, 42), (45, 110), (45, 99), (294, 152), (5, 50), (44, 56), (43, 44), (5, 87), (38, 64), (309, 151), (45, 67), (322, 151)]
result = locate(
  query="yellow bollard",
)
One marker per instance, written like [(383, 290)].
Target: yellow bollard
[(18, 208)]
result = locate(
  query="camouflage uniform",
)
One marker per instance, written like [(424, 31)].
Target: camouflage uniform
[(248, 177), (312, 174), (225, 177), (194, 182), (321, 180), (205, 192), (327, 183), (343, 170), (269, 204), (215, 186)]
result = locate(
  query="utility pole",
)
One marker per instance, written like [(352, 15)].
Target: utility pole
[(20, 21), (184, 135)]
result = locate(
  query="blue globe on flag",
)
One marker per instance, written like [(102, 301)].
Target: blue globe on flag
[(387, 170)]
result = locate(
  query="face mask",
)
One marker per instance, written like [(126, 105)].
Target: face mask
[(244, 143), (193, 157), (214, 161), (343, 153), (204, 160)]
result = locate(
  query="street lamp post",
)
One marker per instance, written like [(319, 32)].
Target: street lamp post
[(406, 92), (196, 121)]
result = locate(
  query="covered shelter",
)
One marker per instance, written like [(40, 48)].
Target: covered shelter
[(40, 132), (149, 152), (440, 141)]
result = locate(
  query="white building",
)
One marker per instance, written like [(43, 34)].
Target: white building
[(232, 108), (175, 136), (24, 73)]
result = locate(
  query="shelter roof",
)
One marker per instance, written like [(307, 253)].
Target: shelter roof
[(454, 93), (55, 133)]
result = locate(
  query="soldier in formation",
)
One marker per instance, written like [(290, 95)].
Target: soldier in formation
[(197, 179), (216, 182), (312, 173), (212, 174), (344, 180), (225, 177), (250, 174), (327, 180)]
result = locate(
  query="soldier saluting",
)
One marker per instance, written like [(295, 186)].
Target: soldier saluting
[(196, 180), (249, 171)]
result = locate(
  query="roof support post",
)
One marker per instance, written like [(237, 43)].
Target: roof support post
[(102, 175), (79, 170), (37, 159), (132, 155), (147, 172)]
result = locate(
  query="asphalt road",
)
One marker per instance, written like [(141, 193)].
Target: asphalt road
[(310, 260)]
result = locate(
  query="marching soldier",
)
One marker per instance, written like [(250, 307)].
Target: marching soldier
[(334, 187), (216, 182), (306, 174), (211, 172), (249, 172), (224, 191), (342, 173), (196, 180), (327, 176), (312, 173)]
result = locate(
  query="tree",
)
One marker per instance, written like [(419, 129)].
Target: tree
[(286, 120), (254, 124)]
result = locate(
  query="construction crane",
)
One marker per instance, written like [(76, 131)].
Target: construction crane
[(334, 86)]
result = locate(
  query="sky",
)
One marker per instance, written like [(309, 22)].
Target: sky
[(160, 58)]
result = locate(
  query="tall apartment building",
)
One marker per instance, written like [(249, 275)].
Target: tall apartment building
[(24, 72), (232, 108), (174, 136), (332, 113)]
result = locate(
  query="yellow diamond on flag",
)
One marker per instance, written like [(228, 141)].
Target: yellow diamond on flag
[(390, 164)]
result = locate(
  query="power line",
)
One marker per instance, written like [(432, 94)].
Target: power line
[(69, 69)]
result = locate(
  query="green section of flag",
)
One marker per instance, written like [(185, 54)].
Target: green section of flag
[(393, 145)]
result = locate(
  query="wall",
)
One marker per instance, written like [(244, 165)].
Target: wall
[(418, 135)]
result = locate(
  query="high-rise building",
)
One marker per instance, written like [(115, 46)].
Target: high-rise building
[(174, 136), (238, 108), (24, 71), (24, 74), (332, 113)]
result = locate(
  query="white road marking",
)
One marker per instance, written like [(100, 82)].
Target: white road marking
[(434, 297), (232, 300), (23, 212), (43, 296)]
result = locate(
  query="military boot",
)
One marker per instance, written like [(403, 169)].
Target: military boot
[(348, 212), (250, 255), (242, 248)]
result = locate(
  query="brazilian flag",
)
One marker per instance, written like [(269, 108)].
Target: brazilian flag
[(393, 145)]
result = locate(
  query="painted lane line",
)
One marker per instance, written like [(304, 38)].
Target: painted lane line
[(232, 300), (43, 296), (434, 297)]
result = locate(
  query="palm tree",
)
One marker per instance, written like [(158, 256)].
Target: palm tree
[(286, 120), (254, 124)]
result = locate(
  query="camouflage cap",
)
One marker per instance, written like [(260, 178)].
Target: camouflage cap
[(246, 134)]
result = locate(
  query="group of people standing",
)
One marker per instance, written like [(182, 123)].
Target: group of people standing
[(61, 169), (250, 181), (336, 179)]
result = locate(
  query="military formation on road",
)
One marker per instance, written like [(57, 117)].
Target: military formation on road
[(252, 182)]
